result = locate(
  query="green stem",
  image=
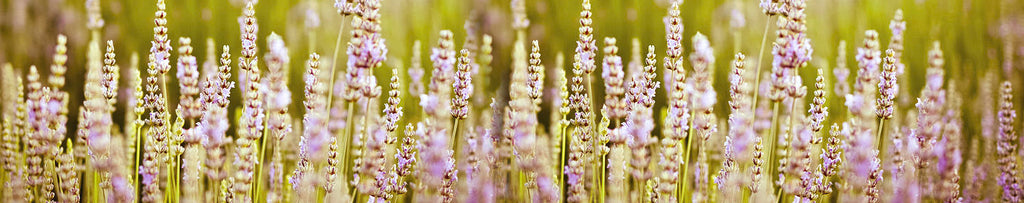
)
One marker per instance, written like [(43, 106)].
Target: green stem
[(679, 187), (351, 194), (760, 57), (746, 196), (60, 190), (177, 177), (259, 166), (138, 159), (320, 195), (561, 160), (350, 129), (772, 140), (334, 64), (604, 175), (778, 195), (881, 134), (455, 137), (593, 134), (170, 179), (686, 161), (366, 115)]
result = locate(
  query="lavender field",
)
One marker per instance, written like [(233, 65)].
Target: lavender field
[(511, 101)]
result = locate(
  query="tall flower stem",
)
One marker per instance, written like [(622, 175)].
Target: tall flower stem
[(601, 187), (138, 158), (348, 141), (259, 162), (760, 58), (163, 90), (366, 115), (792, 113), (593, 133), (562, 153), (778, 194), (881, 133), (455, 136), (334, 65), (772, 140), (330, 101), (686, 163)]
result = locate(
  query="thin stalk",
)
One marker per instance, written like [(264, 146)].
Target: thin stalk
[(320, 195), (173, 179), (772, 140), (881, 134), (167, 140), (561, 160), (686, 161), (760, 57), (636, 185), (259, 161), (455, 137), (97, 192), (746, 195), (5, 176), (60, 181), (792, 107), (601, 187), (350, 129), (703, 152), (778, 194), (678, 190), (513, 178), (366, 115), (524, 192), (593, 135), (138, 158), (334, 63), (351, 196)]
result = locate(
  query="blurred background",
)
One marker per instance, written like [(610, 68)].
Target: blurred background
[(977, 36)]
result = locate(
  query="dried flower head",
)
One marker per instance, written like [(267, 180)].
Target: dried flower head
[(215, 119), (278, 96), (316, 107), (705, 96), (611, 72), (393, 108), (188, 79), (868, 60), (898, 27), (348, 7), (160, 51), (791, 51), (95, 21), (929, 108), (519, 21), (1006, 145), (415, 71), (648, 83), (60, 58), (771, 7), (366, 51), (887, 87), (818, 109), (253, 115), (535, 76), (110, 76), (674, 38), (841, 72), (463, 86), (586, 46)]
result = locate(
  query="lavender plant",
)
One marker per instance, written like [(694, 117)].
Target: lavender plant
[(699, 131)]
